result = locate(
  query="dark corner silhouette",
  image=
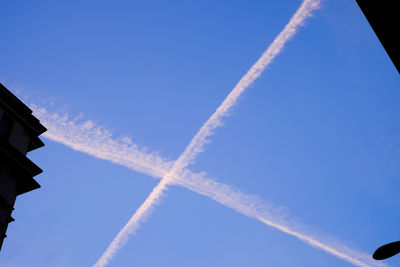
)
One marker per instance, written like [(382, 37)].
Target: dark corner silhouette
[(383, 16), (19, 131)]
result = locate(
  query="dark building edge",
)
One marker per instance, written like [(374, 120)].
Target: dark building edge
[(16, 170)]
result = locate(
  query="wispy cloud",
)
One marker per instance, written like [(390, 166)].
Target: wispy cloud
[(95, 140)]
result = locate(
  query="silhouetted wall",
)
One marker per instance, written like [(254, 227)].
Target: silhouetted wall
[(19, 131)]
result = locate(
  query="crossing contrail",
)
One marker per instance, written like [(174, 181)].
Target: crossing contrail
[(94, 140), (176, 172), (198, 142)]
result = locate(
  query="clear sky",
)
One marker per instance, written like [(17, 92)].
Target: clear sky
[(317, 134)]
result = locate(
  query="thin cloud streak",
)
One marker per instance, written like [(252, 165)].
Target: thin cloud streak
[(253, 207), (198, 142), (94, 140)]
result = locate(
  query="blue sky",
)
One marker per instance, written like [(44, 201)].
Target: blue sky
[(317, 134)]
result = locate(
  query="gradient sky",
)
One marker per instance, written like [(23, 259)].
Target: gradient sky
[(317, 134)]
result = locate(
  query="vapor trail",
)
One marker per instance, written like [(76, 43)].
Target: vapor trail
[(253, 207), (96, 141), (89, 138), (198, 142)]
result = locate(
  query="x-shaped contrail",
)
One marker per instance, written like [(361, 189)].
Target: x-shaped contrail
[(198, 142), (177, 173)]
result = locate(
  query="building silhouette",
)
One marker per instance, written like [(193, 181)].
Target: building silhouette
[(19, 131)]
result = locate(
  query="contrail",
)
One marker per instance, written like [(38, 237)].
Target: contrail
[(198, 142), (253, 207), (98, 142), (89, 138)]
